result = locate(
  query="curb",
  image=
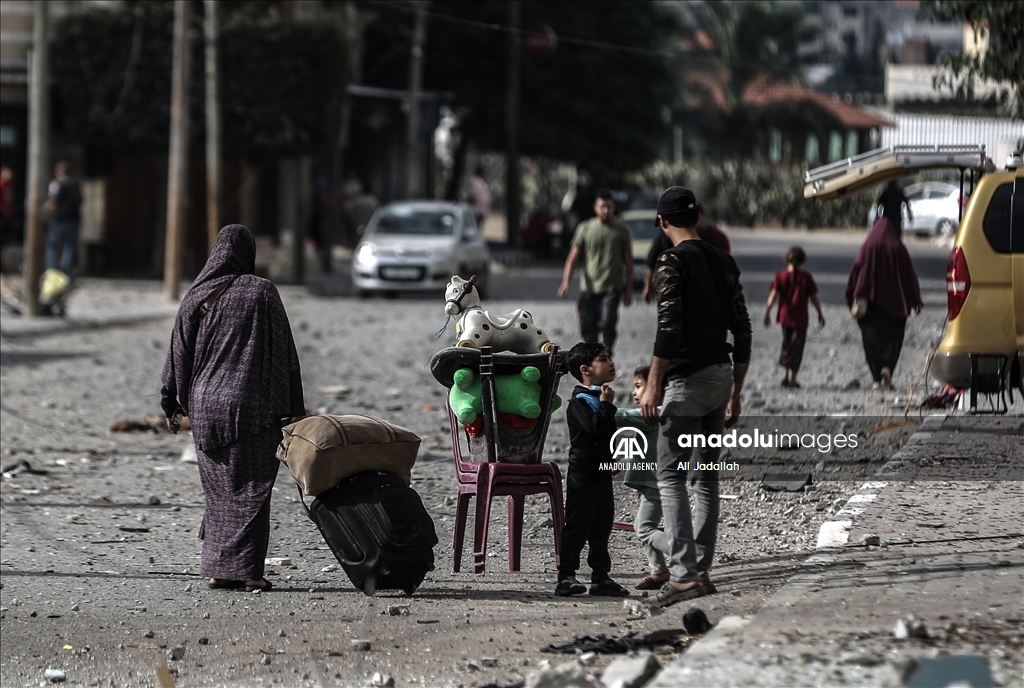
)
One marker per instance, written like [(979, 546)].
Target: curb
[(835, 532)]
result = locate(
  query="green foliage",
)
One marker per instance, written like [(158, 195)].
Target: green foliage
[(750, 194), (281, 81), (1003, 24)]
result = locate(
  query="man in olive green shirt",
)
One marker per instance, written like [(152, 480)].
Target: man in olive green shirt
[(606, 248)]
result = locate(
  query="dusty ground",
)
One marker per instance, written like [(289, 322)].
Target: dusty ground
[(99, 555)]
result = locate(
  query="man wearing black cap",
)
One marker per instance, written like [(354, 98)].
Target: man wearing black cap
[(696, 377), (605, 247)]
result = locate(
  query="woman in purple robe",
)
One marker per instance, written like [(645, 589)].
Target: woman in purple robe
[(233, 370), (884, 275)]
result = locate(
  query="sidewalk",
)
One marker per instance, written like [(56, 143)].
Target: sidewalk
[(950, 552), (97, 303)]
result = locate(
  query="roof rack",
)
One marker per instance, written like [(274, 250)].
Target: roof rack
[(873, 167)]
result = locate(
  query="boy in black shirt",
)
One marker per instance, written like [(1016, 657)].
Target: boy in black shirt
[(589, 503)]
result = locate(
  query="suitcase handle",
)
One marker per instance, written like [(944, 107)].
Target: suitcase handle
[(354, 538)]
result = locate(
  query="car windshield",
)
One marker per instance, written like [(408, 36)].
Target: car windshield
[(415, 221), (642, 228)]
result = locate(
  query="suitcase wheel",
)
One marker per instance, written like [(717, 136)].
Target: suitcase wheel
[(370, 585)]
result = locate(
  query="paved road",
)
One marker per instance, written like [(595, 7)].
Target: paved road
[(759, 255)]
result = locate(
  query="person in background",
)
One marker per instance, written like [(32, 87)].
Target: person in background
[(713, 234), (792, 288), (605, 246), (891, 202), (883, 276), (589, 500), (7, 206), (64, 206), (647, 523), (233, 370), (479, 196)]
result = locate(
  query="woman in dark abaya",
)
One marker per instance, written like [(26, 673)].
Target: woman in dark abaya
[(234, 372), (884, 276)]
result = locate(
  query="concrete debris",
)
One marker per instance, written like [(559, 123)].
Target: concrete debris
[(380, 680), (910, 627), (188, 454), (54, 675), (568, 675), (631, 671), (473, 665), (360, 645), (398, 610), (871, 539), (489, 662), (278, 561), (265, 659), (175, 653)]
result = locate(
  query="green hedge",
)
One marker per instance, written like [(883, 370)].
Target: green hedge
[(751, 194)]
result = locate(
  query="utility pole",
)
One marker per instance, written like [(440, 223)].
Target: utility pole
[(38, 155), (177, 164), (212, 126), (512, 184), (415, 86)]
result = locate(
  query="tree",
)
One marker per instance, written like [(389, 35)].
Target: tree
[(732, 44), (598, 100), (282, 81), (1002, 25)]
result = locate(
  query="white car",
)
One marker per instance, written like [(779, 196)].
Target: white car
[(935, 207), (418, 246)]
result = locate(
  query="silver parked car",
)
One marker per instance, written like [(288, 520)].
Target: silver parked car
[(418, 246), (935, 206)]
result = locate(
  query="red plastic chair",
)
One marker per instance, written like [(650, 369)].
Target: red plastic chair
[(489, 479), (486, 480)]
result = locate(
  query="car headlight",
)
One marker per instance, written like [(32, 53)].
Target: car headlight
[(366, 253)]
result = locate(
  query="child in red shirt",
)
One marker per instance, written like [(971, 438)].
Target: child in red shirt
[(792, 288)]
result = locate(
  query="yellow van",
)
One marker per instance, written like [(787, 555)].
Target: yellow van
[(983, 344), (985, 289)]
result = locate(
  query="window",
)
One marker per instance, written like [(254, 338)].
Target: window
[(851, 144), (996, 224), (775, 147), (811, 150), (835, 146), (8, 136)]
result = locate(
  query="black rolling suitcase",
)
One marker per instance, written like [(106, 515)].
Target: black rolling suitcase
[(378, 530)]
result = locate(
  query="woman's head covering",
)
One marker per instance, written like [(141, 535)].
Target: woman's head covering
[(883, 272), (234, 254)]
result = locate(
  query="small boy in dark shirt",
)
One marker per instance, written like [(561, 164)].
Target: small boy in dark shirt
[(589, 502)]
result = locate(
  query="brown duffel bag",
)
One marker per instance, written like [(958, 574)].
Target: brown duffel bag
[(321, 451)]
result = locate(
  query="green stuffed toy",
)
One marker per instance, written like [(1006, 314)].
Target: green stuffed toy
[(516, 394)]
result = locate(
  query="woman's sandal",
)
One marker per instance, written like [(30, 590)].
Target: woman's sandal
[(223, 584), (264, 587)]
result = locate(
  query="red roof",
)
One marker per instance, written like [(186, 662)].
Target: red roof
[(763, 91)]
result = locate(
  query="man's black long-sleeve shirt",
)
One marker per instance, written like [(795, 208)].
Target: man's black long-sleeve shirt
[(700, 300)]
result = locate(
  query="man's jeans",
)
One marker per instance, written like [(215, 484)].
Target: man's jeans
[(599, 316), (694, 405), (62, 233)]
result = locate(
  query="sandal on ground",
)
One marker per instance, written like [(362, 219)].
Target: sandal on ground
[(785, 383), (652, 582), (669, 594), (568, 587), (264, 586), (223, 584), (795, 385), (608, 588)]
